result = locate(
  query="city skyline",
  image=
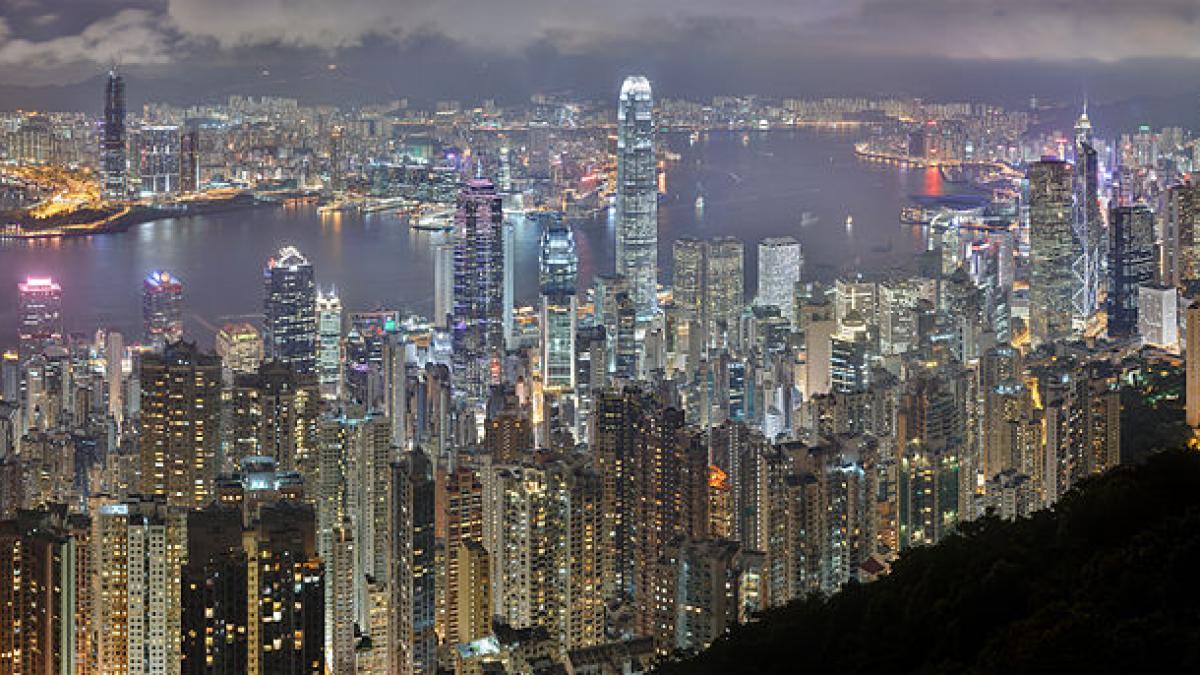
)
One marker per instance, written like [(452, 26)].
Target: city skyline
[(606, 380)]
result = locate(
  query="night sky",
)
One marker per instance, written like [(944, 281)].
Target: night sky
[(52, 52)]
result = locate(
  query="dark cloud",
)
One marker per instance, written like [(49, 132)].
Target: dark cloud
[(843, 45)]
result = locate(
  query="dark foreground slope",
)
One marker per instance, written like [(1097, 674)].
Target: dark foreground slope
[(1108, 581)]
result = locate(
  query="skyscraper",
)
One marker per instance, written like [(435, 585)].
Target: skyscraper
[(637, 194), (413, 577), (1192, 365), (779, 265), (478, 322), (1051, 251), (290, 309), (724, 293), (689, 263), (1088, 226), (329, 348), (1181, 235), (162, 308), (158, 160), (113, 163), (181, 417), (1131, 263), (558, 277), (40, 306)]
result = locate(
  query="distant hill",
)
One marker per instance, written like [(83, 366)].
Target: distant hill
[(1104, 582)]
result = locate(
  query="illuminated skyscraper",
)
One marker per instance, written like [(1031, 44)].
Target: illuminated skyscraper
[(779, 266), (290, 309), (113, 163), (329, 348), (1192, 368), (1051, 251), (558, 278), (689, 263), (162, 308), (1181, 235), (725, 286), (1130, 264), (181, 416), (158, 160), (637, 194), (40, 308), (1088, 225), (413, 579), (478, 321)]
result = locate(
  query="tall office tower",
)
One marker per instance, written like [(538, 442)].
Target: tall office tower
[(779, 265), (1181, 235), (290, 311), (162, 308), (329, 344), (114, 376), (1131, 264), (478, 313), (637, 194), (818, 323), (1051, 251), (559, 274), (461, 525), (240, 347), (707, 587), (39, 305), (181, 424), (189, 159), (1088, 223), (627, 350), (113, 164), (689, 263), (139, 545), (1192, 365), (414, 608), (38, 593), (546, 570), (724, 292), (443, 282), (274, 414), (1158, 316), (158, 160), (508, 294)]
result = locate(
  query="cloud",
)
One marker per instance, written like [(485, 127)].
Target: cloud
[(158, 32), (130, 36)]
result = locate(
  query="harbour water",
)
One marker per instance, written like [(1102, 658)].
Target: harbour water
[(800, 183)]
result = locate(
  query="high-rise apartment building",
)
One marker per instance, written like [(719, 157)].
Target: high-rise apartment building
[(181, 420)]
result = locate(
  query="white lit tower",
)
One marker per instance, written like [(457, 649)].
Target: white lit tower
[(1088, 226), (637, 194)]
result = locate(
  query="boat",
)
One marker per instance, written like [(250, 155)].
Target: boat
[(699, 202), (808, 218), (849, 223), (693, 137)]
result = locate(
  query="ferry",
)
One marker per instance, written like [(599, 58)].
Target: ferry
[(808, 218), (699, 202), (849, 223)]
